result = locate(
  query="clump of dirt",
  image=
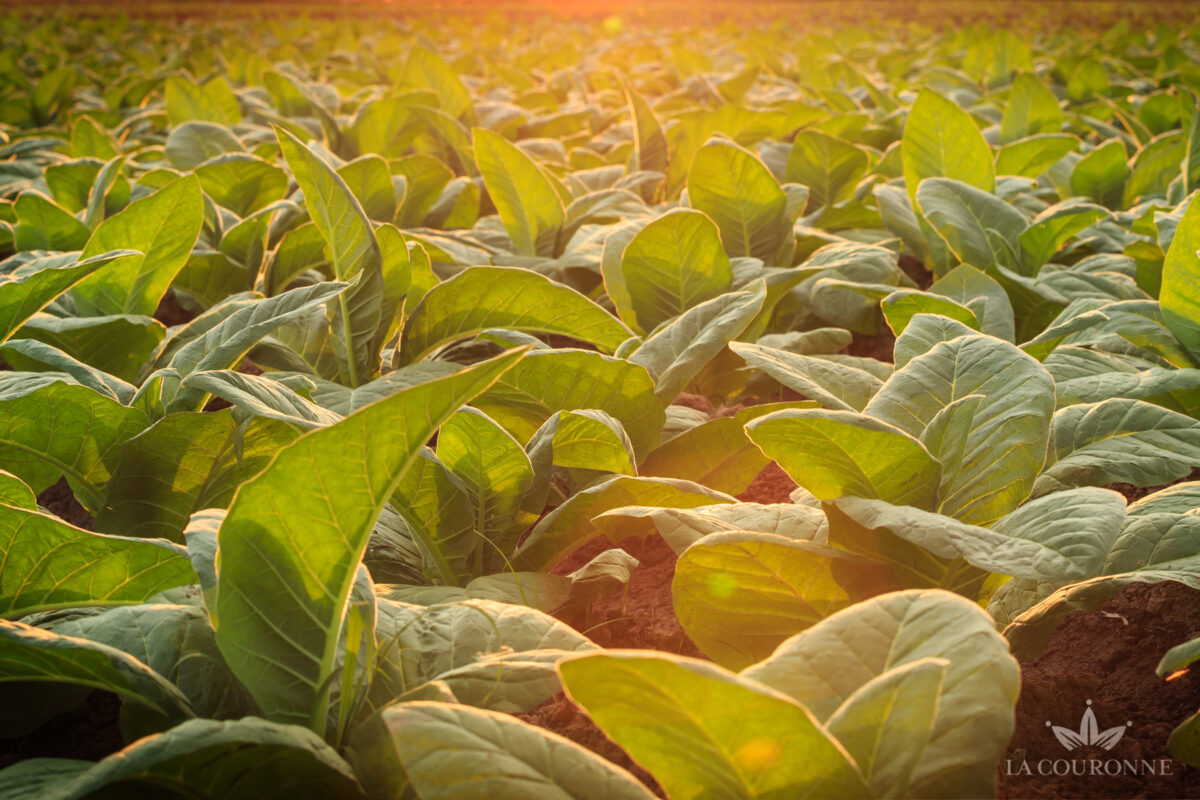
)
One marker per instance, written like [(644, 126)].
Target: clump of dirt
[(563, 717), (1108, 657), (89, 732), (878, 346), (696, 401), (60, 501), (171, 313), (248, 367), (915, 268), (772, 485), (643, 615), (1134, 493)]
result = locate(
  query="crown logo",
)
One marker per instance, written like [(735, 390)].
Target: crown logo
[(1089, 733)]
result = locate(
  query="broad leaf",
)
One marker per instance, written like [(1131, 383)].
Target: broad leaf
[(164, 228), (48, 564), (942, 141), (547, 381), (513, 759), (705, 732), (524, 196), (29, 289), (63, 429), (294, 536), (32, 654), (826, 666), (673, 264), (354, 255), (1006, 444), (479, 298), (836, 453), (1118, 441), (739, 594), (246, 759), (739, 193), (1180, 295)]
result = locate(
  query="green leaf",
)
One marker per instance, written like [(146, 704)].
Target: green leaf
[(438, 524), (677, 352), (425, 177), (989, 549), (1118, 441), (524, 196), (120, 345), (901, 306), (1032, 109), (49, 564), (717, 453), (491, 467), (370, 182), (942, 141), (979, 227), (1179, 657), (29, 289), (673, 264), (211, 102), (834, 385), (241, 182), (425, 70), (32, 654), (512, 760), (573, 523), (586, 440), (547, 381), (1031, 157), (1100, 175), (705, 732), (479, 298), (90, 140), (982, 295), (1180, 294), (1083, 524), (42, 224), (164, 228), (261, 396), (191, 144), (467, 645), (177, 642), (682, 527), (1053, 227), (739, 193), (239, 325), (738, 594), (650, 148), (16, 493), (245, 759), (836, 453), (181, 464), (887, 723), (828, 166), (358, 322), (1154, 168), (828, 666), (1006, 443), (62, 429), (294, 536)]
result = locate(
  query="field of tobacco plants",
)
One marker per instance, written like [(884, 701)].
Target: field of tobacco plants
[(454, 406)]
